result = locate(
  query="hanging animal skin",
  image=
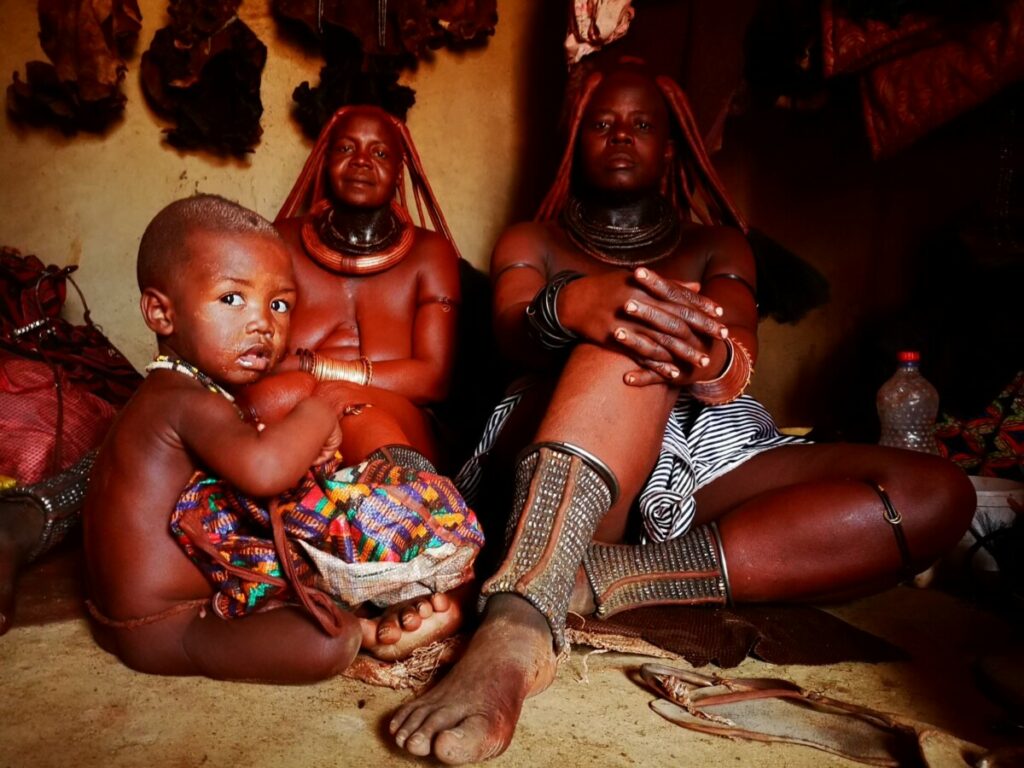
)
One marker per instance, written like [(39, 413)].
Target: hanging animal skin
[(203, 71), (87, 41), (367, 43)]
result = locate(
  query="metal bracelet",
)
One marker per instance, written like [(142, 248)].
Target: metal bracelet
[(542, 314), (731, 382)]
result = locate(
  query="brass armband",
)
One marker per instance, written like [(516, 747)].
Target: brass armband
[(359, 371), (731, 383)]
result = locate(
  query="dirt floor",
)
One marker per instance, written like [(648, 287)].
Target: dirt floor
[(65, 702)]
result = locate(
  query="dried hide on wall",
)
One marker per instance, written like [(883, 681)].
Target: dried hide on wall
[(203, 71), (367, 43), (87, 41)]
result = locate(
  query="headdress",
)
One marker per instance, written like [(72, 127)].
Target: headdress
[(309, 190), (690, 178)]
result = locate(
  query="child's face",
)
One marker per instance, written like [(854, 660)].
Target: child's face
[(232, 305)]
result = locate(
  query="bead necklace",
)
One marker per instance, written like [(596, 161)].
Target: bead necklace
[(350, 258), (624, 246), (166, 362)]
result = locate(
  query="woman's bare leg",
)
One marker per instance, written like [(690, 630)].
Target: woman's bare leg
[(472, 713), (795, 523), (804, 522)]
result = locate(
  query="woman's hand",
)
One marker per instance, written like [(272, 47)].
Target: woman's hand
[(679, 327), (666, 326)]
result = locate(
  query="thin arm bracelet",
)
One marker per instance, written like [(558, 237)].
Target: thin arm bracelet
[(323, 368), (542, 315), (731, 383)]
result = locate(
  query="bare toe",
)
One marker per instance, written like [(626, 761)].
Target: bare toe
[(409, 617), (420, 741), (407, 720), (471, 741), (440, 602), (389, 631)]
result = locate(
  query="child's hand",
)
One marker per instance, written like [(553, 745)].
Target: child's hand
[(331, 445)]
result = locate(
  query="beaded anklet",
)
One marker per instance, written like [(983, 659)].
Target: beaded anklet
[(166, 362)]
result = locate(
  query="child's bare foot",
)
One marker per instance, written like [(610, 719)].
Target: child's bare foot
[(404, 627), (472, 713)]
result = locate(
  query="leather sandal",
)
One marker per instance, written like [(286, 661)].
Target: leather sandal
[(776, 710)]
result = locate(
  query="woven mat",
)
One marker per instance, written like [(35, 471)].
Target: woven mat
[(777, 634)]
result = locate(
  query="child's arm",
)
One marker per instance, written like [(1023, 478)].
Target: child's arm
[(258, 463)]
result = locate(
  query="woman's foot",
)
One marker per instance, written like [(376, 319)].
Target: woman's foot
[(412, 624), (471, 715)]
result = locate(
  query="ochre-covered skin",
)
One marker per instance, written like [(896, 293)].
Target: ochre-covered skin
[(226, 308), (402, 318), (797, 522)]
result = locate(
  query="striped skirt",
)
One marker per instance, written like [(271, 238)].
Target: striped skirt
[(700, 443)]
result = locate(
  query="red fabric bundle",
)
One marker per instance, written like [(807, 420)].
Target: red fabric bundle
[(30, 450), (60, 384)]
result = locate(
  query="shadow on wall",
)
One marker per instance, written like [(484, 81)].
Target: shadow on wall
[(540, 103)]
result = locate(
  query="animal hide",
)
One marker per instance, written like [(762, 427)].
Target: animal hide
[(203, 71), (87, 42)]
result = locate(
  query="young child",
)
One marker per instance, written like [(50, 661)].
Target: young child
[(217, 289)]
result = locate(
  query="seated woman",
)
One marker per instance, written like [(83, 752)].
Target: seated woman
[(378, 296), (634, 291), (377, 305)]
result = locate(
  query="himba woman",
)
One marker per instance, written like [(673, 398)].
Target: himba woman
[(375, 316), (378, 296), (635, 289)]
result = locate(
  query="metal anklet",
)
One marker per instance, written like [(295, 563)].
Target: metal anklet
[(59, 500), (561, 491), (689, 570)]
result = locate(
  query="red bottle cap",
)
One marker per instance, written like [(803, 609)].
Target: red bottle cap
[(908, 356)]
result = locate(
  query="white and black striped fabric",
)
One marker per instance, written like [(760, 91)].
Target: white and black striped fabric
[(701, 443)]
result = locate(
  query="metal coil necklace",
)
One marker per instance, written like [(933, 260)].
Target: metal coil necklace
[(624, 245), (327, 246)]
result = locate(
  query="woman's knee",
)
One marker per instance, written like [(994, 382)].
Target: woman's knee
[(935, 498)]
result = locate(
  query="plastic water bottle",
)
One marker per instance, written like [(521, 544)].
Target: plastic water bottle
[(907, 405)]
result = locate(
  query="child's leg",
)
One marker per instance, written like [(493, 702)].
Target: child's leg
[(282, 645)]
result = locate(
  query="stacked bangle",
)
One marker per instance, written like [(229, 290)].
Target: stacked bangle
[(542, 314), (732, 382), (359, 371)]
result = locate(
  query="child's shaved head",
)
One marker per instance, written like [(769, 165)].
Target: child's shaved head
[(163, 242)]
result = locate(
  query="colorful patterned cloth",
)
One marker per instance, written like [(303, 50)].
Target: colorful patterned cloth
[(991, 445), (376, 531)]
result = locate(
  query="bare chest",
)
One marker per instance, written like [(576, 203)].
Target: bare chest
[(368, 314)]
